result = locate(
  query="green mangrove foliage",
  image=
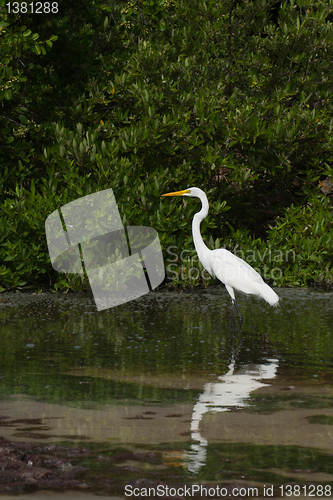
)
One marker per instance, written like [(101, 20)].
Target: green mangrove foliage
[(154, 96)]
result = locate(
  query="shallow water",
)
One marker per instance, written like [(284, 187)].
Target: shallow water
[(160, 391)]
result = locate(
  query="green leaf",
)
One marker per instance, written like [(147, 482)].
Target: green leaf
[(10, 257), (23, 119)]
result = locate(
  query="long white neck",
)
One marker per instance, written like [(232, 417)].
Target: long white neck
[(199, 244)]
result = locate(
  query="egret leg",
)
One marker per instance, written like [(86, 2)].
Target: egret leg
[(239, 314), (234, 304), (233, 314), (233, 326)]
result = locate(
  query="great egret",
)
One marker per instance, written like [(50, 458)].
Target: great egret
[(234, 272)]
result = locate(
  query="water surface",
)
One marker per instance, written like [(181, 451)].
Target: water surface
[(162, 391)]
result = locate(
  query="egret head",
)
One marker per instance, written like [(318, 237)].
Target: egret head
[(193, 191)]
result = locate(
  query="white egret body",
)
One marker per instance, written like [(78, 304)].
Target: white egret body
[(234, 272)]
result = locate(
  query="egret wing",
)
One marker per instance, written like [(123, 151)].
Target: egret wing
[(235, 272)]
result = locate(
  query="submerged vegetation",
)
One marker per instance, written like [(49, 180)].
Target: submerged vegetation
[(154, 96)]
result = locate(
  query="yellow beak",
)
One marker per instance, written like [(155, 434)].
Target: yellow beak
[(177, 193)]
